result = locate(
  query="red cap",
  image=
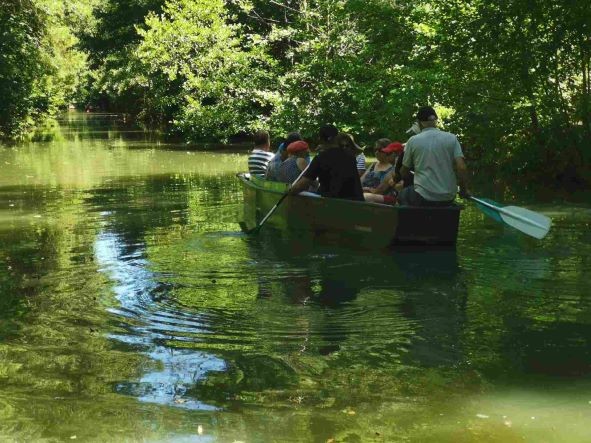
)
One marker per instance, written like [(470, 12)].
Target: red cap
[(396, 147), (298, 146)]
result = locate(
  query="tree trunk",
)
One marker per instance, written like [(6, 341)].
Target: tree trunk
[(585, 117)]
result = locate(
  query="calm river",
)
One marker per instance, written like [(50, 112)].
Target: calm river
[(132, 308)]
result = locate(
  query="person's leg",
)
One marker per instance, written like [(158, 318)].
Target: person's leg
[(373, 198), (389, 200)]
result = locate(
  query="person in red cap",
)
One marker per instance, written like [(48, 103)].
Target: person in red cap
[(384, 192), (374, 176), (297, 161)]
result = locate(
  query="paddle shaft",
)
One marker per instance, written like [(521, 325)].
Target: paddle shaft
[(281, 199), (508, 213)]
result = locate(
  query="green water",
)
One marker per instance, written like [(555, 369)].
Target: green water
[(133, 309)]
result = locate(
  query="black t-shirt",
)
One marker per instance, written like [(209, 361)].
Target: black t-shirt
[(336, 169), (410, 179)]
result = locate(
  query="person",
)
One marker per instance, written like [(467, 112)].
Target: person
[(385, 191), (336, 169), (403, 182), (326, 134), (361, 163), (438, 163), (414, 129), (260, 156), (374, 176), (280, 156), (291, 168), (408, 180)]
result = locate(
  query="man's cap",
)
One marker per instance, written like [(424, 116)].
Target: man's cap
[(297, 146), (426, 113), (396, 147), (345, 140), (328, 132)]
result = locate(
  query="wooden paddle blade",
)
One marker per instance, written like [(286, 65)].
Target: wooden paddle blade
[(529, 222)]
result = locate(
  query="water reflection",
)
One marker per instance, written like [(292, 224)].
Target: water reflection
[(152, 327), (127, 293)]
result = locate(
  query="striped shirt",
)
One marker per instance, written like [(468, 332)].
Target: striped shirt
[(258, 161), (361, 162)]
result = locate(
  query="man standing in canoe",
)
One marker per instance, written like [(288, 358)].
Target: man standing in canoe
[(336, 169), (438, 163)]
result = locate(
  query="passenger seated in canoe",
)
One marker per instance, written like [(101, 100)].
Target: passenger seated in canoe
[(386, 192), (361, 163), (326, 134), (403, 182), (374, 176), (291, 168), (260, 155), (280, 156), (336, 169)]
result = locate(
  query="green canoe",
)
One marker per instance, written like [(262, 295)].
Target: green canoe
[(366, 224)]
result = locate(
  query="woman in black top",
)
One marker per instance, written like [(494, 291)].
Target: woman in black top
[(336, 170)]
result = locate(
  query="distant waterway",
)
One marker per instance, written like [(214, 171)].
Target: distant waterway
[(132, 308)]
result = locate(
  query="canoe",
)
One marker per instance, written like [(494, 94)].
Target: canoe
[(366, 224)]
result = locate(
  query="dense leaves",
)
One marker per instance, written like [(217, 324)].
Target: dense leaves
[(511, 77), (40, 67), (519, 79), (215, 79)]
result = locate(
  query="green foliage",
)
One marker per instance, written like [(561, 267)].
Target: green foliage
[(214, 78), (115, 82), (513, 76), (40, 66), (21, 33), (354, 66), (518, 77)]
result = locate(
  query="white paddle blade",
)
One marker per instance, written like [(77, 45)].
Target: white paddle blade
[(529, 222)]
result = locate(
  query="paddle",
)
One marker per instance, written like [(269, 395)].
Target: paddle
[(258, 227), (529, 222)]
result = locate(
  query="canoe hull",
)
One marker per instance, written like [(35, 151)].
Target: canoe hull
[(365, 224)]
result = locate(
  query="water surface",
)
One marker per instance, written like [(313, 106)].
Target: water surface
[(133, 309)]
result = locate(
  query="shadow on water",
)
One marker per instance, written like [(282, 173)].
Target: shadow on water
[(422, 283)]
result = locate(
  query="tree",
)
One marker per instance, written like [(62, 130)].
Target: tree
[(518, 78), (40, 65), (212, 80)]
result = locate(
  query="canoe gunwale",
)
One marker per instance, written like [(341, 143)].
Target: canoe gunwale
[(245, 177)]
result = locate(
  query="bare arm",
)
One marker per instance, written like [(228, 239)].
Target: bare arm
[(462, 174), (301, 185), (302, 163), (363, 175), (386, 183), (391, 179)]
